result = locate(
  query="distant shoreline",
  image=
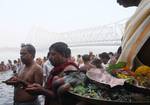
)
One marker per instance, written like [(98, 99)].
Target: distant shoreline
[(14, 53)]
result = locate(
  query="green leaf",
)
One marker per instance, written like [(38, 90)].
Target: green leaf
[(116, 66)]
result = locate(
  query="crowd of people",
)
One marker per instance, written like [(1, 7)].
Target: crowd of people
[(45, 76), (35, 76), (10, 65)]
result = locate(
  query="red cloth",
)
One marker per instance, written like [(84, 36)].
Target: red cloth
[(56, 71)]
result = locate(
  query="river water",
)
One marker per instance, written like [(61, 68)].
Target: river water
[(6, 92)]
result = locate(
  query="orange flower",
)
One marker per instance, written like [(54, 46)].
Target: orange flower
[(126, 68), (142, 71)]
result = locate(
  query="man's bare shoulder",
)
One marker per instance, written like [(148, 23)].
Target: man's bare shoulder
[(37, 68)]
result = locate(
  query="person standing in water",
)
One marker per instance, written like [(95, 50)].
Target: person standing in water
[(29, 74)]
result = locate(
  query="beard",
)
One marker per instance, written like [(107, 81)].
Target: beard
[(24, 61), (52, 62)]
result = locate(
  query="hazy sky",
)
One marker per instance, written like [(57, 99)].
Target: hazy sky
[(18, 17)]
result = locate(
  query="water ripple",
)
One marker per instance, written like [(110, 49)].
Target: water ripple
[(6, 92)]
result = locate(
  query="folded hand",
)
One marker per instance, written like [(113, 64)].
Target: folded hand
[(34, 89), (12, 81)]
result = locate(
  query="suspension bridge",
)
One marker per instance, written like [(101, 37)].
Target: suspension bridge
[(106, 35), (96, 39)]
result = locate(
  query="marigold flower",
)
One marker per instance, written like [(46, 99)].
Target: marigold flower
[(142, 71)]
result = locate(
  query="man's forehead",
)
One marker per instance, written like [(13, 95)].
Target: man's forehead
[(23, 49), (52, 51)]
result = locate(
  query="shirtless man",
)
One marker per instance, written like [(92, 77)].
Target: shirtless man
[(59, 54), (87, 63), (29, 74)]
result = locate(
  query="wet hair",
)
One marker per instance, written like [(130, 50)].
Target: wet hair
[(9, 61), (111, 53), (30, 48), (61, 48), (68, 55), (86, 57), (97, 62), (78, 55), (15, 61), (2, 62), (104, 55)]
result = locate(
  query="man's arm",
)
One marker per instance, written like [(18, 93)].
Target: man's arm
[(38, 76)]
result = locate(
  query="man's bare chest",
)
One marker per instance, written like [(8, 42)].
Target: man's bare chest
[(27, 75)]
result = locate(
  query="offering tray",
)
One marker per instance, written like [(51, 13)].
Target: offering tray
[(97, 93)]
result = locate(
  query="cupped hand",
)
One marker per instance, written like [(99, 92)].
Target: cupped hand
[(34, 89), (12, 81)]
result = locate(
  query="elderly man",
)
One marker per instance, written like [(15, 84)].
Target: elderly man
[(136, 39), (29, 74)]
